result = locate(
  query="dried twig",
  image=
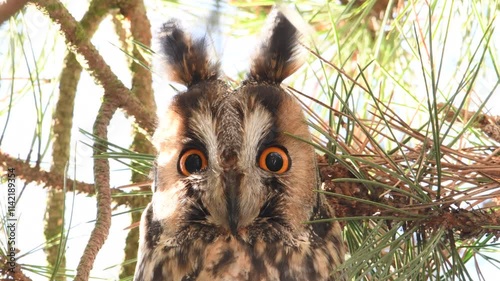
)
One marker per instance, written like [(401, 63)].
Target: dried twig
[(470, 176), (489, 124)]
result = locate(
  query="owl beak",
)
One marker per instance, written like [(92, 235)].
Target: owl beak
[(232, 181)]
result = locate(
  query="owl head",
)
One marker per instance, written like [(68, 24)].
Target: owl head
[(233, 161)]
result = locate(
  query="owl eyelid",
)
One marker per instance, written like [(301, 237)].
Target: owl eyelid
[(269, 139), (266, 145), (192, 141)]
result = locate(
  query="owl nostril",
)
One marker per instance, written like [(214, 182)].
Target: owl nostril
[(228, 159)]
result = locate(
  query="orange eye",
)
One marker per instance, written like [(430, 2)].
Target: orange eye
[(274, 159), (192, 161)]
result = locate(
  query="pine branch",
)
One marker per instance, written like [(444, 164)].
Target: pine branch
[(9, 8), (16, 274), (101, 175), (142, 80), (46, 179), (114, 90), (351, 198), (63, 123)]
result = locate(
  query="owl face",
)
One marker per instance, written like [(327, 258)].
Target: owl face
[(231, 157), (229, 160), (234, 180)]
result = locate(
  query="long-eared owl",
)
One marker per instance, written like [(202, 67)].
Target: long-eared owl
[(234, 179)]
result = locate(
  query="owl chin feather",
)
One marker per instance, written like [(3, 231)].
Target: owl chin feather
[(233, 190)]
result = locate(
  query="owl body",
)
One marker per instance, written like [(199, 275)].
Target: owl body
[(234, 180), (222, 256)]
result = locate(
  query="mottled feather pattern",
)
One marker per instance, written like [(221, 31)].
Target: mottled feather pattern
[(234, 219), (278, 55), (187, 60)]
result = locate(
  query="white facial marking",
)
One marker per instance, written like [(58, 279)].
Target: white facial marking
[(204, 127), (256, 124)]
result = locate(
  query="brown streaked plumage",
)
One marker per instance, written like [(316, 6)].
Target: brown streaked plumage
[(232, 191)]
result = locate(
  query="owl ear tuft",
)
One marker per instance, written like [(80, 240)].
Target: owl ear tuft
[(187, 61), (279, 53)]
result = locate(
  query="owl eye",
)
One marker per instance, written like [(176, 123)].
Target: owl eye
[(274, 159), (192, 161)]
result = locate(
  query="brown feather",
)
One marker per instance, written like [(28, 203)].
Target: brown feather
[(187, 60), (277, 56), (235, 220)]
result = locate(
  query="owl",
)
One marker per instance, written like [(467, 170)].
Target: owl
[(234, 180)]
